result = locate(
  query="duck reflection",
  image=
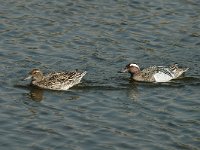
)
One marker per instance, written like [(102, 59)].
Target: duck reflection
[(133, 92), (36, 94)]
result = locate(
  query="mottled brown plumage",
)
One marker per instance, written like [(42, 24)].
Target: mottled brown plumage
[(55, 80)]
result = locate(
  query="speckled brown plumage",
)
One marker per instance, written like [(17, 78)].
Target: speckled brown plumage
[(55, 80)]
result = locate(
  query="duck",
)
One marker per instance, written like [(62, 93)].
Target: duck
[(154, 73), (55, 80)]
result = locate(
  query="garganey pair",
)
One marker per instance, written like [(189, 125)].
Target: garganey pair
[(65, 80)]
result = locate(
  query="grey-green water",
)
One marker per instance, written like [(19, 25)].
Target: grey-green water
[(106, 111)]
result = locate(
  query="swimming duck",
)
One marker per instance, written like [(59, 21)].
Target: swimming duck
[(154, 73), (55, 80)]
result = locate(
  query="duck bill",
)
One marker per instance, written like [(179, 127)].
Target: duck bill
[(123, 70), (27, 78)]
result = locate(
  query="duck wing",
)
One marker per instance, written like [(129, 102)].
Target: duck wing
[(157, 74), (163, 74), (61, 80), (64, 76)]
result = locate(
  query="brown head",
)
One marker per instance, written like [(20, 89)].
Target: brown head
[(133, 69), (35, 75)]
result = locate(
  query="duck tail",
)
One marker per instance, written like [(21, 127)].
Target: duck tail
[(83, 73), (181, 71), (185, 69)]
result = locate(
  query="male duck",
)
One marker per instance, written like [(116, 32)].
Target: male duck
[(154, 73), (55, 80)]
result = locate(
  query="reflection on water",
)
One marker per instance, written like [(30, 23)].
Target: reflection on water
[(133, 92), (36, 94)]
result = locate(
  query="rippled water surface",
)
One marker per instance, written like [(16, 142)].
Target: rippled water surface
[(107, 110)]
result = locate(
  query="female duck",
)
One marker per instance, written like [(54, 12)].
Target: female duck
[(154, 73), (55, 80)]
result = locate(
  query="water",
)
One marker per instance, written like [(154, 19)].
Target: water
[(106, 111)]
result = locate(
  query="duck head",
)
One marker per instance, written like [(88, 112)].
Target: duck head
[(36, 75), (133, 69)]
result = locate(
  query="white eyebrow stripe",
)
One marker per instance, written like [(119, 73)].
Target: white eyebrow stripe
[(134, 65)]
